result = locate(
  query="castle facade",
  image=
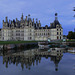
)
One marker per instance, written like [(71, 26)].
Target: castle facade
[(27, 29)]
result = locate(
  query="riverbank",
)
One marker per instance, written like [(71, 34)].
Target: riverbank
[(16, 42), (71, 40)]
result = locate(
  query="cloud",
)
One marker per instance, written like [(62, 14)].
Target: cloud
[(73, 21), (41, 9)]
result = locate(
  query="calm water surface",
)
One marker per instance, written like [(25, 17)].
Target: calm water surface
[(37, 65)]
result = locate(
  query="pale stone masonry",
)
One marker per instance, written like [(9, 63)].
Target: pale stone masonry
[(27, 29)]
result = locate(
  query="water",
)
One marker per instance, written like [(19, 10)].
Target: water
[(27, 63)]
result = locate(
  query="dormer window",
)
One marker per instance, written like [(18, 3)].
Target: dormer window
[(30, 23), (57, 26)]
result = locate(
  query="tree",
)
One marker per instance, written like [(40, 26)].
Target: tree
[(71, 35)]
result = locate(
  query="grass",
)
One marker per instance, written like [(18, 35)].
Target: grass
[(16, 42)]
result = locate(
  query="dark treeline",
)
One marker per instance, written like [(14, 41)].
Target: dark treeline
[(71, 35)]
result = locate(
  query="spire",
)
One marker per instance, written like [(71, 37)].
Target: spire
[(36, 20), (39, 21), (9, 21), (6, 19), (29, 17), (16, 20), (3, 21), (26, 17), (33, 19), (22, 17), (56, 16)]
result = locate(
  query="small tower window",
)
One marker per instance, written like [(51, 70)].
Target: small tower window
[(30, 38), (60, 33), (30, 30), (30, 23), (30, 34), (48, 33), (57, 29), (57, 33), (57, 37), (40, 34), (36, 33), (60, 37)]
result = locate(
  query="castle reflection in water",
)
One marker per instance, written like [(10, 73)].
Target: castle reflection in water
[(31, 58)]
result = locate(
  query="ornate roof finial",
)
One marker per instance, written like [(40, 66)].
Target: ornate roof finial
[(22, 14), (22, 17), (6, 19), (29, 15), (56, 16), (39, 21), (33, 19), (36, 19)]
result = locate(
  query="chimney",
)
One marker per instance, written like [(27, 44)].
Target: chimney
[(16, 19), (33, 19), (3, 21), (6, 19), (56, 16), (22, 17), (26, 17), (9, 21)]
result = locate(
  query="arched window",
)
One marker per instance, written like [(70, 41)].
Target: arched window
[(30, 34), (57, 33), (36, 33), (60, 37), (60, 33), (57, 37), (30, 38), (48, 33)]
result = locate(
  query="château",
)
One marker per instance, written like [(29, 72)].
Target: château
[(27, 29)]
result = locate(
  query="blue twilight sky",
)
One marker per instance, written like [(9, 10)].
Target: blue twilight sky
[(44, 10)]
